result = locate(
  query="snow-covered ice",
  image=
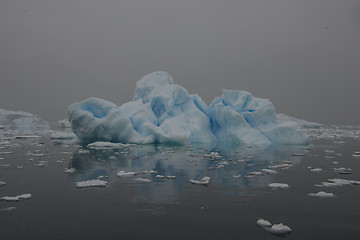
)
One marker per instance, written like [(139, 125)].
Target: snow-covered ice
[(322, 194), (203, 181), (70, 170), (122, 173), (279, 229), (263, 223), (279, 185), (2, 183), (22, 121), (164, 112), (91, 183), (25, 196)]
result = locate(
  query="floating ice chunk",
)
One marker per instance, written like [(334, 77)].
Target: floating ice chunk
[(255, 173), (335, 182), (163, 112), (2, 183), (142, 180), (8, 209), (10, 199), (236, 176), (22, 121), (105, 145), (152, 171), (322, 194), (269, 171), (122, 173), (70, 170), (160, 176), (315, 169), (203, 181), (25, 196), (297, 154), (171, 177), (279, 185), (91, 183), (342, 170), (279, 229), (263, 223), (16, 198), (62, 135)]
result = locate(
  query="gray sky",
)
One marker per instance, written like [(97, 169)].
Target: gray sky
[(303, 55)]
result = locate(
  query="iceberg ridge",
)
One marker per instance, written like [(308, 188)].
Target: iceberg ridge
[(164, 112)]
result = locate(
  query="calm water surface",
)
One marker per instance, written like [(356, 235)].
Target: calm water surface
[(162, 208)]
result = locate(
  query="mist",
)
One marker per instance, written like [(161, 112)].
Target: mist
[(301, 55)]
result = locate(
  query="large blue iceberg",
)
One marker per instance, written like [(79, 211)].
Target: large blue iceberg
[(164, 112)]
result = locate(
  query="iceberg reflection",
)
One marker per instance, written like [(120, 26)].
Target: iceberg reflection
[(237, 171)]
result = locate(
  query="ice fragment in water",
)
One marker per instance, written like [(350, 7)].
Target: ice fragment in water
[(263, 223), (122, 173), (280, 229), (2, 183), (91, 183), (322, 194), (279, 185), (203, 181), (70, 170)]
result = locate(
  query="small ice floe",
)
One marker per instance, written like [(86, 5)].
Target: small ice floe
[(279, 185), (322, 194), (342, 170), (6, 152), (105, 145), (160, 176), (280, 166), (263, 223), (337, 182), (269, 171), (171, 177), (236, 176), (60, 161), (62, 135), (124, 174), (70, 170), (152, 172), (335, 162), (142, 180), (19, 167), (356, 154), (8, 209), (91, 183), (16, 198), (204, 181), (255, 173), (315, 169), (2, 183), (102, 177), (329, 157), (5, 165), (223, 163), (279, 229), (276, 229)]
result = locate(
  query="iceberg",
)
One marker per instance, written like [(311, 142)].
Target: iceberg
[(21, 121), (164, 112)]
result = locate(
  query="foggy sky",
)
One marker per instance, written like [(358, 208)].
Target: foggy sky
[(303, 55)]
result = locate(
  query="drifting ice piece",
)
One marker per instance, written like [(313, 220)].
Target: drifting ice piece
[(164, 112), (203, 181), (22, 121), (91, 183)]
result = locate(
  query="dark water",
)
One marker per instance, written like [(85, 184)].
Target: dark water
[(163, 208)]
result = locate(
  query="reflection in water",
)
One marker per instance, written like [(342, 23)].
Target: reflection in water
[(235, 171)]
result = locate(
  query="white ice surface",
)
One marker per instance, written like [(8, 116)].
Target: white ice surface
[(164, 112), (21, 121), (263, 223), (322, 194), (279, 185), (203, 181), (91, 183)]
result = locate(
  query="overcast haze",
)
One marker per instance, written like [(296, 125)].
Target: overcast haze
[(303, 55)]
